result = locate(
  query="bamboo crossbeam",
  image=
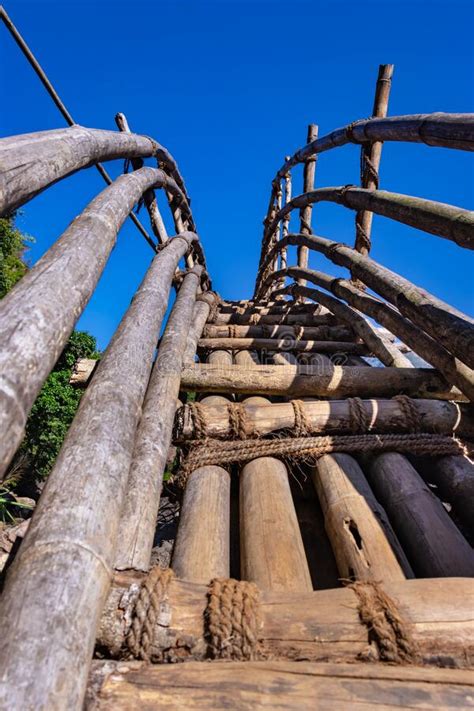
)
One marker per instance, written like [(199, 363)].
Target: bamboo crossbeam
[(302, 381), (427, 347), (450, 327), (330, 417), (305, 333), (153, 437), (57, 586), (439, 612), (306, 212), (315, 319), (56, 291), (370, 159), (453, 223), (275, 344)]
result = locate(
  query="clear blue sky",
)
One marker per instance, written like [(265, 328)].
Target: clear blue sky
[(229, 87)]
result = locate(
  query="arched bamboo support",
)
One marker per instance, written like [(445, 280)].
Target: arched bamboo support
[(67, 555), (38, 315), (450, 327)]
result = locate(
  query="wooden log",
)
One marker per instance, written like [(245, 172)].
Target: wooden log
[(220, 358), (67, 555), (202, 308), (381, 346), (433, 544), (278, 307), (331, 416), (286, 221), (201, 550), (309, 172), (302, 381), (274, 344), (454, 477), (326, 333), (38, 315), (277, 319), (450, 327), (284, 358), (83, 371), (363, 542), (292, 685), (427, 347), (317, 626), (370, 159), (246, 358), (271, 548), (153, 437)]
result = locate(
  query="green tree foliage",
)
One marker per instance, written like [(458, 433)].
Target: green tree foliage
[(55, 406), (13, 245)]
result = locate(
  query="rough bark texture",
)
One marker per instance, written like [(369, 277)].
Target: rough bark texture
[(153, 437), (59, 581), (274, 344)]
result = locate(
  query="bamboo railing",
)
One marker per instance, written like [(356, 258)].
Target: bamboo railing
[(83, 576)]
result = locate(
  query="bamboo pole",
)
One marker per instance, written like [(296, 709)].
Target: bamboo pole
[(306, 212), (439, 613), (274, 344), (286, 220), (271, 548), (371, 154), (153, 436), (305, 333), (450, 327), (453, 370), (58, 583), (303, 381), (437, 218), (38, 315), (202, 308), (432, 542), (454, 478), (362, 539), (157, 224), (331, 416), (316, 319), (246, 358), (202, 547)]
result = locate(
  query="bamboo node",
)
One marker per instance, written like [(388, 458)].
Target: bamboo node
[(391, 634), (233, 620)]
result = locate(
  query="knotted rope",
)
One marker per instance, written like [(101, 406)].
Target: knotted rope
[(239, 423), (302, 426), (387, 629), (359, 421), (232, 620), (410, 412), (153, 593)]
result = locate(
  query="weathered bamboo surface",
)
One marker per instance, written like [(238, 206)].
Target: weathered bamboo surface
[(318, 626), (331, 416), (454, 477), (57, 585), (314, 319), (302, 381), (304, 333), (275, 344), (295, 686)]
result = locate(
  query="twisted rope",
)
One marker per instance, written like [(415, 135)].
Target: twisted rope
[(391, 634), (233, 620), (359, 421), (302, 426), (410, 412), (153, 593), (198, 417), (239, 423)]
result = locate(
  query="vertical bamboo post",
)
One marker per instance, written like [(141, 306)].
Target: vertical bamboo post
[(306, 212), (285, 224), (370, 159), (153, 437)]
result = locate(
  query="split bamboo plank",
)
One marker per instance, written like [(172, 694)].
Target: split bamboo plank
[(302, 381), (432, 542), (271, 548), (295, 686), (362, 539)]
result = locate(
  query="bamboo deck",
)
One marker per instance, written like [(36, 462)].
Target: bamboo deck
[(323, 553)]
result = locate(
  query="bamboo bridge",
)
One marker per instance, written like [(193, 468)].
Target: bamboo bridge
[(322, 552)]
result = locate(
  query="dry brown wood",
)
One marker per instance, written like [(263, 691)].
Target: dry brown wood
[(202, 308), (316, 626), (331, 416), (295, 686), (363, 542), (308, 381), (201, 550), (271, 548), (220, 357), (274, 307), (38, 315), (246, 358), (153, 436), (327, 333), (424, 345), (59, 580), (452, 328), (430, 539), (370, 159), (274, 344), (306, 212), (454, 478), (317, 319)]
